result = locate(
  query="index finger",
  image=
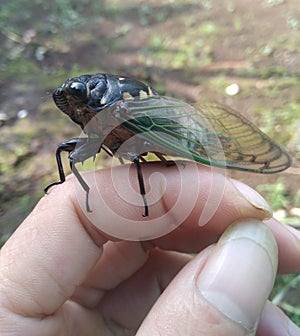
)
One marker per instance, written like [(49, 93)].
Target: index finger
[(183, 200), (56, 247)]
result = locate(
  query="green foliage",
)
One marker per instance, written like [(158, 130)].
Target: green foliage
[(147, 15), (3, 239), (208, 28), (274, 2), (292, 22), (279, 122), (61, 13), (275, 194), (285, 294), (297, 198)]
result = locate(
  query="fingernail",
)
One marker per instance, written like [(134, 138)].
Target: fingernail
[(238, 277), (254, 198)]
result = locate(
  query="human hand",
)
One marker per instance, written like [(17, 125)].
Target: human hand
[(61, 275)]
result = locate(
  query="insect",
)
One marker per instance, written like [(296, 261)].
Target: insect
[(112, 109)]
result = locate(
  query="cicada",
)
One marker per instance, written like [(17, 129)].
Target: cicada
[(112, 109)]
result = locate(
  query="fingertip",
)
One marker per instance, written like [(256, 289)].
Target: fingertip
[(254, 198), (288, 243), (239, 275), (274, 322)]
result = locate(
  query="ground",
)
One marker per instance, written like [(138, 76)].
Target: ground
[(191, 50)]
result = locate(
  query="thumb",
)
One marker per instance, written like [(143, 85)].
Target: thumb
[(221, 291)]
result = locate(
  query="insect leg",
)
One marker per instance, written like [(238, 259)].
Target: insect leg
[(66, 146), (167, 163), (107, 151), (137, 163), (121, 160), (84, 185), (81, 153), (61, 172)]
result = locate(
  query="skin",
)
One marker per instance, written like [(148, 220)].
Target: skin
[(61, 275)]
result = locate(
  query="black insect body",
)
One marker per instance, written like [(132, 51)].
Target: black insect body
[(112, 109)]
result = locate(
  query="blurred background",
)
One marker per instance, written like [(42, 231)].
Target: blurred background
[(244, 54)]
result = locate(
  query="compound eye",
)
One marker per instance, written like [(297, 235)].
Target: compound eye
[(77, 90)]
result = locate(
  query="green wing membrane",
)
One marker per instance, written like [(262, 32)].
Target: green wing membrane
[(208, 133)]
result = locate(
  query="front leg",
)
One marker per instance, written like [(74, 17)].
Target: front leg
[(80, 154), (66, 146), (79, 149)]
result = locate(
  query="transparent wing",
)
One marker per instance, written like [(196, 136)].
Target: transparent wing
[(209, 133)]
